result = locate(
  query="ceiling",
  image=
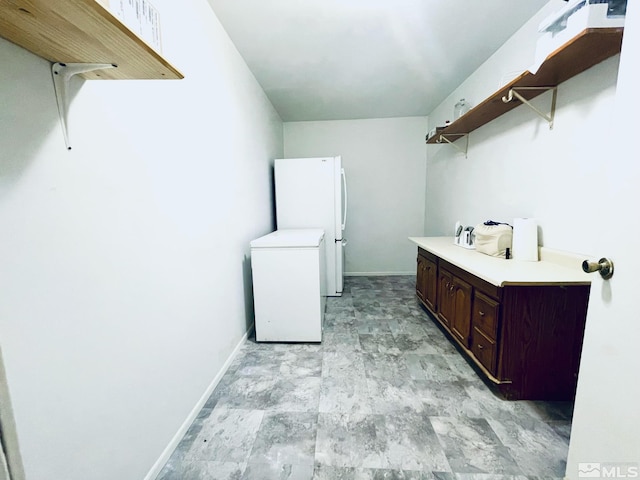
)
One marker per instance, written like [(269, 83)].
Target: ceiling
[(349, 59)]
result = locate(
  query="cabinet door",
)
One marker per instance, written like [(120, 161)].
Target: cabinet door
[(445, 297), (420, 277), (461, 318), (427, 281), (430, 284)]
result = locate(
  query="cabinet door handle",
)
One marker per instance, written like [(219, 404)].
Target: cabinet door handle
[(480, 346), (481, 313)]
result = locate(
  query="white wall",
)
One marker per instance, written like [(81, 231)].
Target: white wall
[(606, 421), (580, 181), (125, 277), (384, 160)]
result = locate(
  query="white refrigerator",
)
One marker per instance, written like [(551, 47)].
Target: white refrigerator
[(312, 193)]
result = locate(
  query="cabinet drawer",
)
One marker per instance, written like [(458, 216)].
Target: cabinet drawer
[(485, 315), (484, 350)]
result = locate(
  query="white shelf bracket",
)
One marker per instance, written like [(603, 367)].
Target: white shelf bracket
[(548, 117), (62, 73), (443, 138)]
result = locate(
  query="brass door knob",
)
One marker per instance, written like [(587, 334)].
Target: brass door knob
[(604, 266)]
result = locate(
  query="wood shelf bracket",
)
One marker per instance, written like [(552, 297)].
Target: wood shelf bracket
[(513, 92), (443, 139), (62, 73)]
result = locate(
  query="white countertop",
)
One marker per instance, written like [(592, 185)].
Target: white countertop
[(555, 267)]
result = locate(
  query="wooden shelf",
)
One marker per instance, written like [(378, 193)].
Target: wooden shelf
[(81, 31), (585, 50)]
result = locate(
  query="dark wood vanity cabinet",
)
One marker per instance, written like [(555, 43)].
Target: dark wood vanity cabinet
[(525, 339)]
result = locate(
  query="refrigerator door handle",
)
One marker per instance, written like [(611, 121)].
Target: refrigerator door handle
[(344, 192)]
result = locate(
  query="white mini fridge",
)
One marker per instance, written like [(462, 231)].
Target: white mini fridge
[(289, 285)]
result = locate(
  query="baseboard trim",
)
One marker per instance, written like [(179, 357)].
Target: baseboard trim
[(377, 274), (173, 444)]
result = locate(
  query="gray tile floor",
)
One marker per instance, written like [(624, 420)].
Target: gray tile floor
[(385, 396)]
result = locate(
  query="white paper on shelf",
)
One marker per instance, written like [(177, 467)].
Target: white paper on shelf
[(150, 25), (142, 18)]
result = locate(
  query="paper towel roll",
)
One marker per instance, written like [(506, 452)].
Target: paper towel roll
[(525, 239)]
